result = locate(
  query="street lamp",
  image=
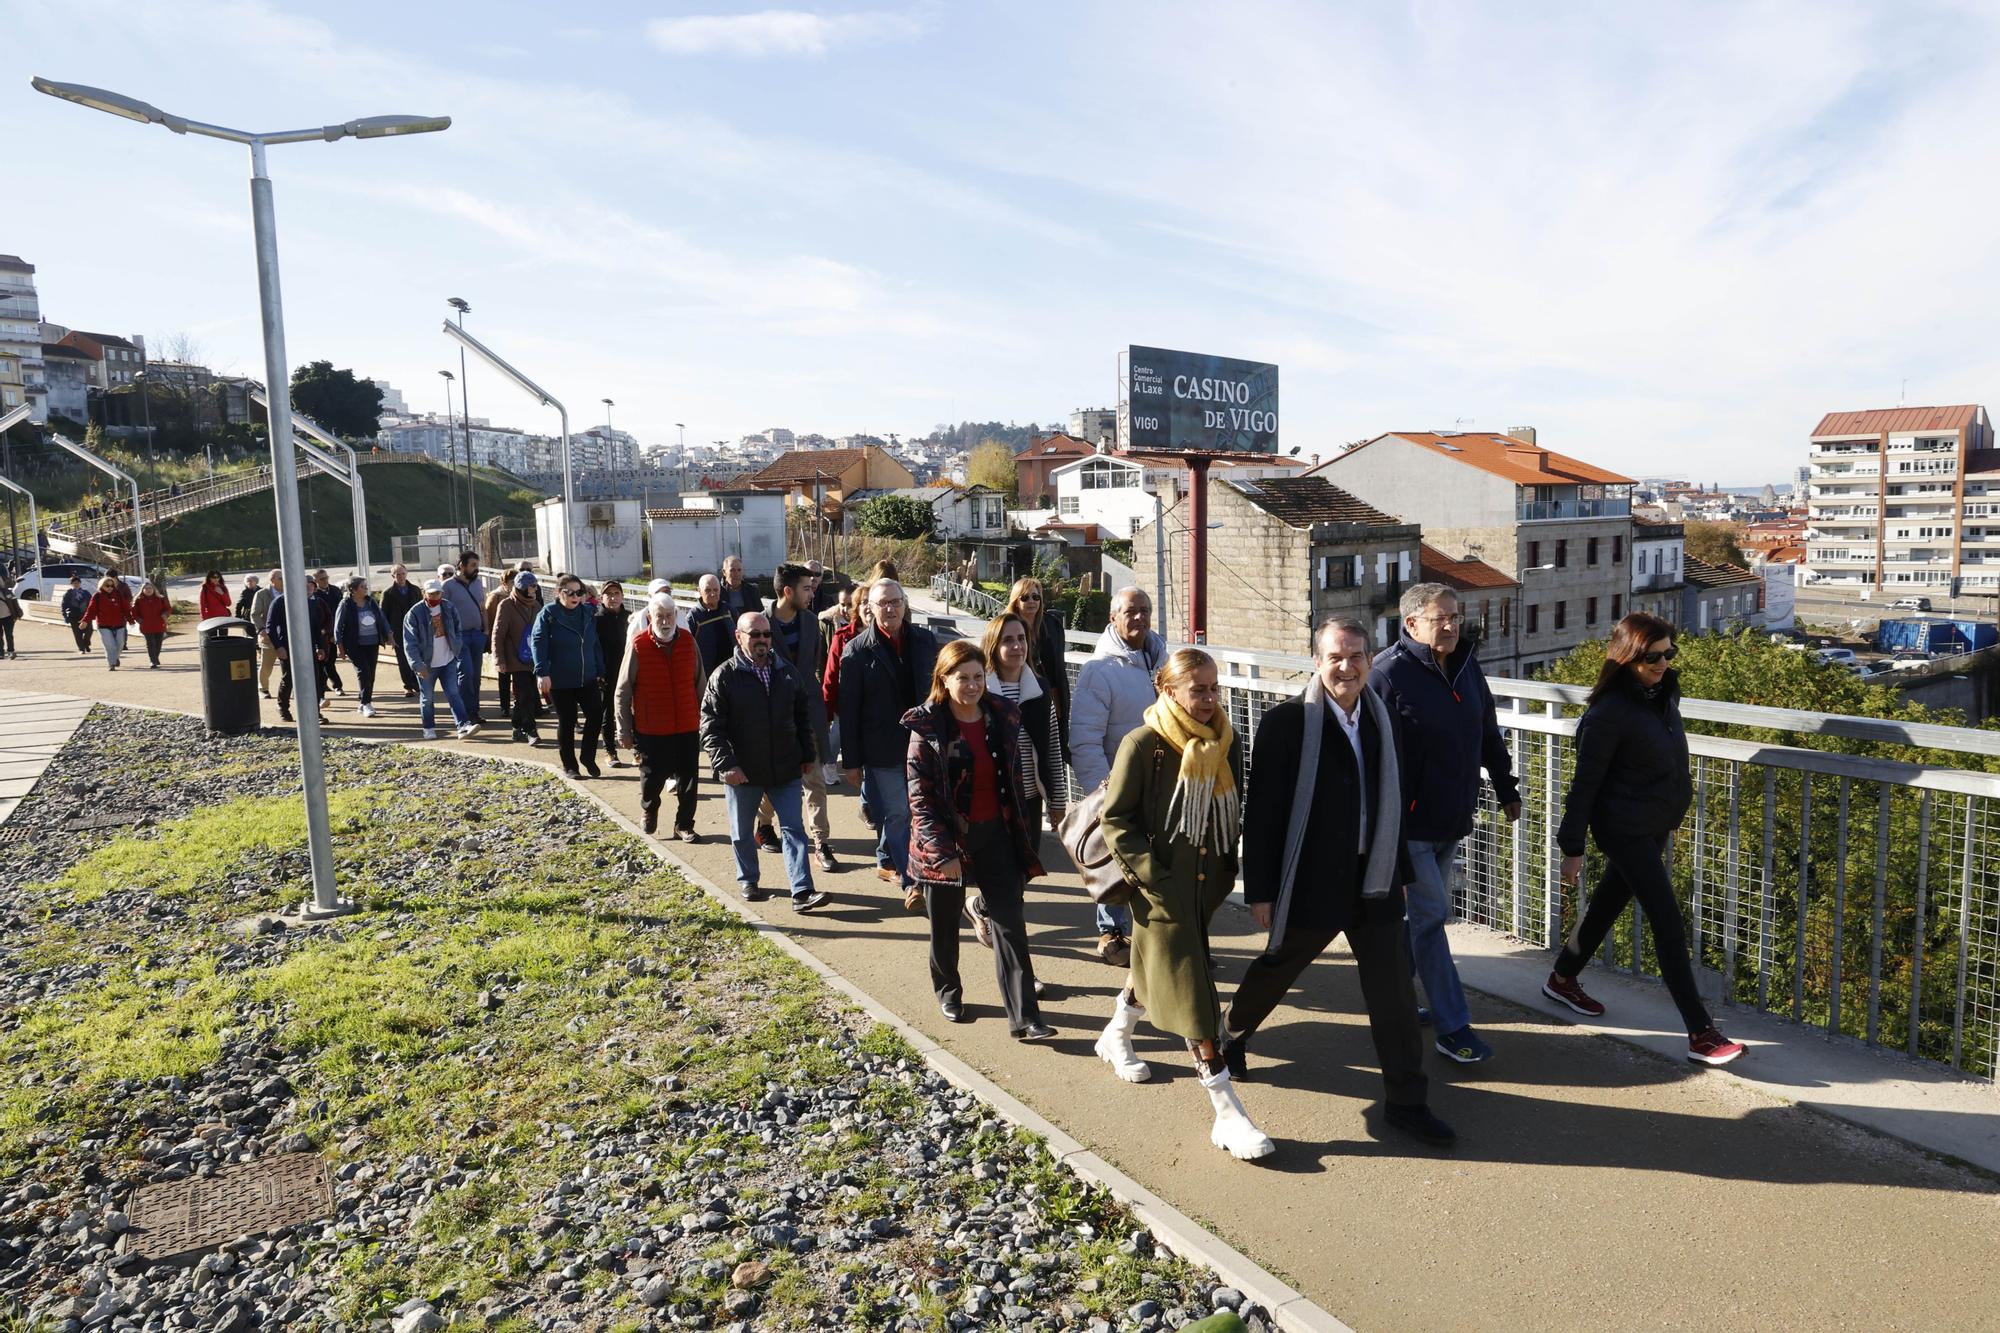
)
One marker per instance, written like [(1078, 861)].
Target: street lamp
[(458, 303), (284, 469), (541, 395), (450, 459)]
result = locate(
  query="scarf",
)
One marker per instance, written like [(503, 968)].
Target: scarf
[(1384, 830), (1205, 798)]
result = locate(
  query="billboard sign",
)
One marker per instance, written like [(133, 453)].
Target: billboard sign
[(1189, 402)]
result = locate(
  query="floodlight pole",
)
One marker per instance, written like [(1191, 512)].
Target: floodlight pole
[(349, 473), (8, 421), (112, 469), (541, 395)]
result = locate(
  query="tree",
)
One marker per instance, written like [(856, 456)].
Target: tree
[(898, 517), (1717, 543), (991, 465), (349, 407)]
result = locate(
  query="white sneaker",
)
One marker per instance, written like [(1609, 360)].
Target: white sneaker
[(467, 730), (1114, 1044), (1234, 1133), (430, 734), (368, 710)]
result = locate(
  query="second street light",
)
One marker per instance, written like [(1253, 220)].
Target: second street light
[(463, 308), (326, 900)]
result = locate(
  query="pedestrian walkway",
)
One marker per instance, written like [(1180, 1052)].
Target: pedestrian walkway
[(1594, 1183), (33, 727)]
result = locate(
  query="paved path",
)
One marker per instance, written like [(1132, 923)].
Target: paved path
[(33, 726), (1595, 1184)]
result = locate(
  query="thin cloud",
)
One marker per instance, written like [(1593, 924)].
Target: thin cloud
[(778, 32)]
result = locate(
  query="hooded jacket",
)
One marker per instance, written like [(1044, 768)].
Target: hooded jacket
[(565, 647), (513, 620), (1631, 777), (764, 732), (939, 767), (74, 603), (1449, 732), (1113, 692)]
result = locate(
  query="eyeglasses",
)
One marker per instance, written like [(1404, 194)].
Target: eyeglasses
[(569, 592), (756, 634), (1664, 655), (1445, 622), (1031, 597)]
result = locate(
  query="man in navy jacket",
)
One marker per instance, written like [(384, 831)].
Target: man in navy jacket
[(1433, 682)]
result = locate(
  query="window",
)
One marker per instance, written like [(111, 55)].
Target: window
[(1562, 553), (1534, 553), (1590, 552), (1617, 606), (1562, 616), (1335, 572), (1068, 504), (1590, 611), (1618, 548), (1403, 566), (1534, 618)]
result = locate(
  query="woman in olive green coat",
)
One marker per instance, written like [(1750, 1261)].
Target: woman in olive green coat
[(1172, 818)]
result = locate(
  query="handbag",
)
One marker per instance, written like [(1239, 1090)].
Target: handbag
[(1082, 834)]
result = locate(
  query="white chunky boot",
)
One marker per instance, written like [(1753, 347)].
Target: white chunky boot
[(1233, 1130), (1114, 1044)]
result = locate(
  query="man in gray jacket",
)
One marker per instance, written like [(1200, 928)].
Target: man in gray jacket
[(467, 596), (1112, 694)]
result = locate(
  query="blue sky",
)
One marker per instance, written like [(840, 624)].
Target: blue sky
[(1669, 237)]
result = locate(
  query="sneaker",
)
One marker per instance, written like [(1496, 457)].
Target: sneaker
[(982, 925), (888, 875), (1032, 1032), (1114, 949), (806, 902), (1464, 1046), (521, 735), (823, 854), (469, 729), (651, 820), (1709, 1047), (687, 835), (1233, 1049), (1565, 990), (767, 838), (409, 694), (616, 762), (590, 767), (1419, 1123), (575, 776), (368, 710), (430, 734)]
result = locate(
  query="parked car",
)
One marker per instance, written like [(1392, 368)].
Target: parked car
[(1839, 656), (1910, 604), (57, 574)]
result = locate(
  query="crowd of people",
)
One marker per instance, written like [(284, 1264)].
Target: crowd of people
[(966, 755)]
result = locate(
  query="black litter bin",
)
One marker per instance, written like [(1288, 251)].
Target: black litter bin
[(229, 675)]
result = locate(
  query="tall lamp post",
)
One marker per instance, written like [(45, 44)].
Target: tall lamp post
[(458, 303), (284, 468), (541, 395), (451, 448)]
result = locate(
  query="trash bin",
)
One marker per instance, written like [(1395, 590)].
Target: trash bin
[(229, 675)]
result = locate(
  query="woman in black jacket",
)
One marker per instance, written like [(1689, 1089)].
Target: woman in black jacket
[(612, 637), (1631, 791), (1046, 645)]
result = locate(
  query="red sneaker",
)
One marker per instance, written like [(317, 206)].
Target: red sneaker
[(1709, 1047), (1565, 990)]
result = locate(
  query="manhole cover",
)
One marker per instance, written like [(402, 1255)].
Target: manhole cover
[(244, 1200)]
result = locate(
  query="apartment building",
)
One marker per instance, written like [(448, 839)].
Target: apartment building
[(1559, 526), (21, 339), (1658, 553), (1897, 499)]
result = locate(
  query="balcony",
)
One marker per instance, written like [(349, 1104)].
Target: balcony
[(1544, 511)]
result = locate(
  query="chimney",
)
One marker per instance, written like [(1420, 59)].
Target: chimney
[(1525, 434)]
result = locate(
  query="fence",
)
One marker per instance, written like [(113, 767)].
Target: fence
[(1850, 893)]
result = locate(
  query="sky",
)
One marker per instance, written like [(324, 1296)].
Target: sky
[(1670, 237)]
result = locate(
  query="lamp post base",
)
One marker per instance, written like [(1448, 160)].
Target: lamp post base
[(312, 911)]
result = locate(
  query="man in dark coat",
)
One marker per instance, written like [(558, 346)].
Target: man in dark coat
[(885, 671), (1432, 681), (796, 639), (712, 624), (1323, 855), (758, 736)]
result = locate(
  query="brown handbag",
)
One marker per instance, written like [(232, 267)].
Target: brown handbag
[(1082, 834)]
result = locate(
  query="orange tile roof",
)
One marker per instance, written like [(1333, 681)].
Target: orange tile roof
[(1059, 445), (1504, 456), (1698, 571), (799, 465), (1897, 420), (1466, 575)]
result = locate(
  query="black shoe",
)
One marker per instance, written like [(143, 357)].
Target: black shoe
[(592, 769), (1419, 1123), (520, 735), (806, 902), (1032, 1032), (753, 894), (572, 773), (1233, 1050), (953, 1011), (284, 715), (652, 820), (824, 855), (767, 838)]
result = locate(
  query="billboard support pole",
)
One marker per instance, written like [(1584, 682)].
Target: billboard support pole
[(1198, 549)]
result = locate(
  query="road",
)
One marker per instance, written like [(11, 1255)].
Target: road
[(1594, 1185)]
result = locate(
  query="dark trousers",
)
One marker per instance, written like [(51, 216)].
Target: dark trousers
[(607, 704), (81, 633), (1636, 867), (365, 656), (989, 856), (517, 691), (663, 757), (403, 666), (569, 702), (153, 642), (285, 682), (332, 670), (7, 634), (1381, 946)]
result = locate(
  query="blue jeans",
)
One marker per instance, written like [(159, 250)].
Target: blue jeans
[(447, 676), (112, 639), (1114, 920), (1430, 908), (467, 666), (885, 803), (743, 803)]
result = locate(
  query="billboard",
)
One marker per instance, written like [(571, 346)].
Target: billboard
[(1194, 403)]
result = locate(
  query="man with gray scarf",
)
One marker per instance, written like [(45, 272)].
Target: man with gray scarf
[(1323, 855)]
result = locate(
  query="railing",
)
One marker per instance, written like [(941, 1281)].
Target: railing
[(115, 518), (956, 592), (1854, 893), (1535, 511)]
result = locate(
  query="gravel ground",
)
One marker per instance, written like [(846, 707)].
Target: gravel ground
[(557, 1086)]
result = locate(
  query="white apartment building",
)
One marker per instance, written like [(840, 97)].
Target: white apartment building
[(1897, 497), (21, 339)]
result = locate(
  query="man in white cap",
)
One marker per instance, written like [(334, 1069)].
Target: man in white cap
[(659, 712), (432, 640)]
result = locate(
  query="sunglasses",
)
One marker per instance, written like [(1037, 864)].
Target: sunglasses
[(757, 633), (1664, 655)]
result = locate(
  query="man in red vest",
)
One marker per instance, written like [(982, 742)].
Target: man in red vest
[(659, 713)]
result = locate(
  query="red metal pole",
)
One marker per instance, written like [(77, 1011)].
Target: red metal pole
[(1198, 550)]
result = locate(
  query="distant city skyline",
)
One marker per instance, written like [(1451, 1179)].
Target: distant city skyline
[(1682, 233)]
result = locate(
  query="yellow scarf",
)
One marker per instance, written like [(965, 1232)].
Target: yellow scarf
[(1205, 799)]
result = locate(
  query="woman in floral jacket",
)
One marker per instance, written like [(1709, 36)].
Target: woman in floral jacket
[(967, 824)]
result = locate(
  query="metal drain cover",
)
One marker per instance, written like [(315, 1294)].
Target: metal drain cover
[(200, 1213), (13, 833)]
